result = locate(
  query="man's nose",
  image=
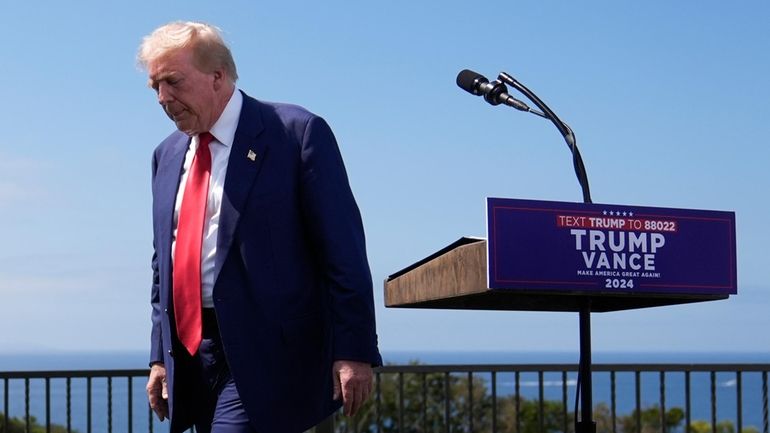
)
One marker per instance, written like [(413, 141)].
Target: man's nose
[(164, 94)]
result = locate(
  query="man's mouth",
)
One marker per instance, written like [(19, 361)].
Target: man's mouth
[(178, 114), (175, 114)]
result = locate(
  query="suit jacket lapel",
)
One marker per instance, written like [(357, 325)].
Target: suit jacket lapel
[(168, 175), (246, 158)]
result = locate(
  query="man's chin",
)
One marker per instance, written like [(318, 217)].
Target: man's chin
[(187, 129)]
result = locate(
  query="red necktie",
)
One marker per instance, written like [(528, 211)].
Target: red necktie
[(189, 241)]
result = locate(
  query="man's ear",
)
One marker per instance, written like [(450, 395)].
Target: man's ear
[(219, 79)]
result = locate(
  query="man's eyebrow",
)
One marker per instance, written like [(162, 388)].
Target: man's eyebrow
[(154, 80)]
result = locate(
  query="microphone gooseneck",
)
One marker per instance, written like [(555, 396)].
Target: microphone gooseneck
[(564, 129), (496, 93)]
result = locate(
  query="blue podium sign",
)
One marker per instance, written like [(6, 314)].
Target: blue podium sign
[(609, 249)]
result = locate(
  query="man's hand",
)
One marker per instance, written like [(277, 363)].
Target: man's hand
[(157, 392), (352, 382)]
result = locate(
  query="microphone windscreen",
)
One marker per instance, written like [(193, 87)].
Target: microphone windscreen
[(467, 80)]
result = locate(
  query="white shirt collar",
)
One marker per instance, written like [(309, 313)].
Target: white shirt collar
[(224, 128)]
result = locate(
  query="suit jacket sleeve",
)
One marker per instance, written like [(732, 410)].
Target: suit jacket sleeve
[(335, 226), (156, 341)]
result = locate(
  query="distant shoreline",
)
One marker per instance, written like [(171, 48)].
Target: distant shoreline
[(138, 359)]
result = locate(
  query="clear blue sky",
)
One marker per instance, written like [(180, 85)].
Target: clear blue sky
[(669, 101)]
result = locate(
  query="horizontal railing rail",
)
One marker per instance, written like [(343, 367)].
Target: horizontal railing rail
[(419, 397)]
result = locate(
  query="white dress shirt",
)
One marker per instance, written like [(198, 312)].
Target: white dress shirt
[(224, 133)]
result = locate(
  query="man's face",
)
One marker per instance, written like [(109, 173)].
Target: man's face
[(188, 96)]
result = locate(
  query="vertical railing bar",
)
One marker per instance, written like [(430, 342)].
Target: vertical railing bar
[(713, 401), (739, 401), (5, 404), (446, 402), (130, 405), (764, 403), (48, 405), (494, 402), (663, 401), (687, 396), (150, 421), (26, 404), (109, 404), (379, 403), (424, 402), (69, 405), (540, 402), (89, 385), (400, 401), (638, 394), (613, 402), (470, 400), (564, 400), (518, 401)]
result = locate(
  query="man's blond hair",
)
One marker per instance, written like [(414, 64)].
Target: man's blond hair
[(209, 49)]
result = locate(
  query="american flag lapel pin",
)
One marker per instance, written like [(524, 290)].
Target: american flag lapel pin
[(251, 155)]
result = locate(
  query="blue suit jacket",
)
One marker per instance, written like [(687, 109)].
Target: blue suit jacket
[(293, 290)]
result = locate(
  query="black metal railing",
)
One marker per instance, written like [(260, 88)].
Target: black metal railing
[(714, 394), (430, 398), (75, 387)]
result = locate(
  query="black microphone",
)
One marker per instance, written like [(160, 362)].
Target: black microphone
[(495, 93)]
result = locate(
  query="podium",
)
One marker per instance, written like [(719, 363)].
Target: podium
[(553, 256), (576, 257), (455, 278)]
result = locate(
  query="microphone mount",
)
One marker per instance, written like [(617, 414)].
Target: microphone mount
[(495, 92)]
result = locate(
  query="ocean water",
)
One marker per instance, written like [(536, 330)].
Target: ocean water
[(115, 412)]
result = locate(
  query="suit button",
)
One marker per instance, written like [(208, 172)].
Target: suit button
[(170, 353), (165, 310)]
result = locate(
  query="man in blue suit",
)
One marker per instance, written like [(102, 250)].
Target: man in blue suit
[(262, 309)]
